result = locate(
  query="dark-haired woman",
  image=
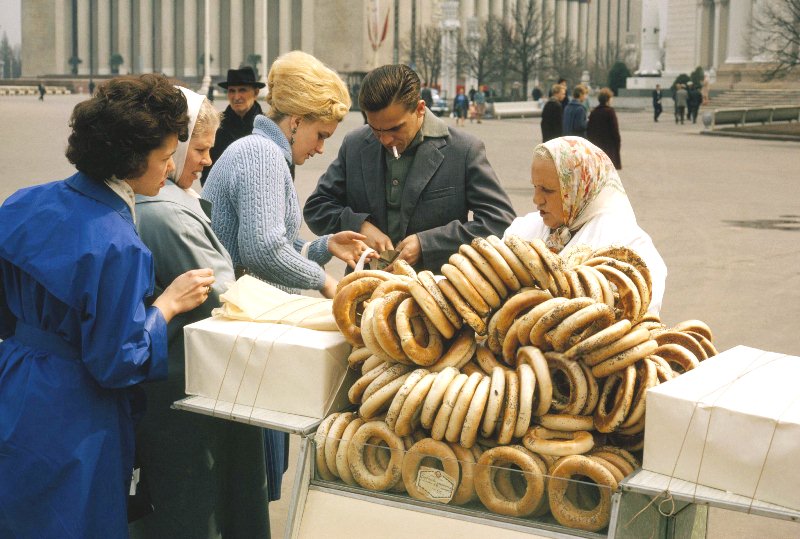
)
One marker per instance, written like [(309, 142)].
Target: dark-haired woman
[(78, 332)]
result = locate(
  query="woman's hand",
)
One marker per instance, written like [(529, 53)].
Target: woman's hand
[(185, 293), (348, 246), (329, 288)]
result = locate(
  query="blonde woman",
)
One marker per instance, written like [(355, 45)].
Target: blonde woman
[(255, 210), (189, 461)]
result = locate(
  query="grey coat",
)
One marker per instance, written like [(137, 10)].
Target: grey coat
[(449, 178), (206, 476)]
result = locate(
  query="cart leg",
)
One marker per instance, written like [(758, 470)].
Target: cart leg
[(297, 502)]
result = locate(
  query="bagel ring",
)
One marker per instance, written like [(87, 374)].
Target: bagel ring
[(498, 263), (558, 443), (486, 470), (355, 456), (421, 355), (345, 304), (564, 510), (426, 449), (486, 269), (618, 386)]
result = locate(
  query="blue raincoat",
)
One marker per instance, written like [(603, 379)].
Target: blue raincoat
[(77, 339)]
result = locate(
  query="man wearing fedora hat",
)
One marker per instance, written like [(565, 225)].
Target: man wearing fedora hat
[(237, 121)]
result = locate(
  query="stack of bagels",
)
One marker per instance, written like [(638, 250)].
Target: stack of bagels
[(515, 371)]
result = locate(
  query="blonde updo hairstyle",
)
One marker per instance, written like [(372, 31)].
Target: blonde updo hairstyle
[(300, 85), (208, 120)]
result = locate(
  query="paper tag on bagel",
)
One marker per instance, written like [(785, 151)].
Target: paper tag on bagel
[(436, 484)]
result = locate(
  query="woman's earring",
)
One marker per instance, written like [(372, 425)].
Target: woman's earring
[(291, 140)]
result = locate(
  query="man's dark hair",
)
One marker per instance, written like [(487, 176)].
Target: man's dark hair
[(114, 131), (385, 85)]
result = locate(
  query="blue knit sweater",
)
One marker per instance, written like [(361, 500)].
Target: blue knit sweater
[(256, 214)]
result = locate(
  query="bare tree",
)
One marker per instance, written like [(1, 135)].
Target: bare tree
[(776, 35), (429, 54), (479, 57), (525, 37), (604, 59), (566, 61)]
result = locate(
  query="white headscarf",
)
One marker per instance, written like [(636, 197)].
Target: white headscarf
[(193, 100)]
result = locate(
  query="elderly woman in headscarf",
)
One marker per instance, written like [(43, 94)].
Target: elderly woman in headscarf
[(206, 476), (581, 201)]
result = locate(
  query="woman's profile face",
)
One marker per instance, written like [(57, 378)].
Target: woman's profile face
[(198, 156), (547, 192), (159, 165), (309, 139)]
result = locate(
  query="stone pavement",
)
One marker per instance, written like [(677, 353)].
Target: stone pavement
[(723, 212)]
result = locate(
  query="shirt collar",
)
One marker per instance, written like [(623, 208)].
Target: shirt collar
[(125, 192)]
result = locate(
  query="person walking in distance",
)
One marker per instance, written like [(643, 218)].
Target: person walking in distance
[(657, 107)]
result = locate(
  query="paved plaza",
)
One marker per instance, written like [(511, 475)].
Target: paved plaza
[(723, 212)]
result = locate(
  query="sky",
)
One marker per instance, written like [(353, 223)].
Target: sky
[(11, 20)]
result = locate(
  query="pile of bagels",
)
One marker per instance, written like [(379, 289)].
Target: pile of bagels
[(519, 375)]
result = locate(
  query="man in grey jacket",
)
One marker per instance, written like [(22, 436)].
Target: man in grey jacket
[(407, 181)]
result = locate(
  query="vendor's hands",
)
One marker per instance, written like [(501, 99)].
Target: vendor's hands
[(375, 238), (348, 246), (328, 290), (410, 249), (185, 293)]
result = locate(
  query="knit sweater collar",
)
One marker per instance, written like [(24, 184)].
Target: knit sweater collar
[(267, 128)]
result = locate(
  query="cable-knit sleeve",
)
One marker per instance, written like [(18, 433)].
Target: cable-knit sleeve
[(264, 246)]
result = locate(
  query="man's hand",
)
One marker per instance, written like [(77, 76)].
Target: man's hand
[(375, 238), (410, 249)]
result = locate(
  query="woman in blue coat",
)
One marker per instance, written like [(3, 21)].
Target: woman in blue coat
[(79, 332)]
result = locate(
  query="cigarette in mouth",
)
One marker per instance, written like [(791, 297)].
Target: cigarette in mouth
[(394, 152)]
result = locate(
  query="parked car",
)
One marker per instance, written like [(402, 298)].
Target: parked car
[(440, 106)]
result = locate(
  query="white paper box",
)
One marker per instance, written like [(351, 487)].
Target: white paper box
[(733, 423), (273, 366)]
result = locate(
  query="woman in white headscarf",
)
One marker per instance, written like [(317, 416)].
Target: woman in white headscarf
[(205, 476), (581, 201)]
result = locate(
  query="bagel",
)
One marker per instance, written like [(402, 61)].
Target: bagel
[(554, 317), (558, 443), (625, 359), (384, 325), (566, 422), (401, 267), (433, 399), (368, 333), (680, 359), (663, 369), (602, 338), (707, 345), (511, 343), (466, 289), (604, 284), (370, 363), (681, 338), (498, 263), (464, 310), (342, 467), (622, 453), (431, 309), (575, 287), (461, 350), (345, 304), (465, 492), (512, 260), (431, 449), (698, 326), (486, 359), (481, 284), (544, 385), (398, 283), (395, 370), (358, 355), (646, 377), (626, 254), (501, 321), (424, 355), (575, 401), (355, 456), (633, 274), (356, 275), (321, 439), (632, 442), (527, 387), (619, 386), (625, 342), (446, 409), (400, 397), (616, 472), (494, 404), (532, 262), (592, 390), (619, 462), (456, 422), (412, 406), (486, 269), (334, 437), (554, 265), (471, 367), (630, 300), (485, 473), (564, 510), (597, 315), (379, 401), (428, 281), (510, 409), (472, 420), (529, 319), (589, 283), (359, 386)]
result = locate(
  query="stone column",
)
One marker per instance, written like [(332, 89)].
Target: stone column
[(715, 53), (189, 68), (450, 28), (237, 33), (483, 12), (583, 27), (467, 10), (168, 37), (560, 22), (651, 54), (83, 37), (103, 32), (260, 38), (61, 51), (572, 10), (213, 9), (285, 26), (307, 25), (497, 10), (739, 20), (699, 32), (145, 36), (123, 45)]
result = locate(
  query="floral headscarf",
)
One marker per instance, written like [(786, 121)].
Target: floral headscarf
[(589, 185)]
